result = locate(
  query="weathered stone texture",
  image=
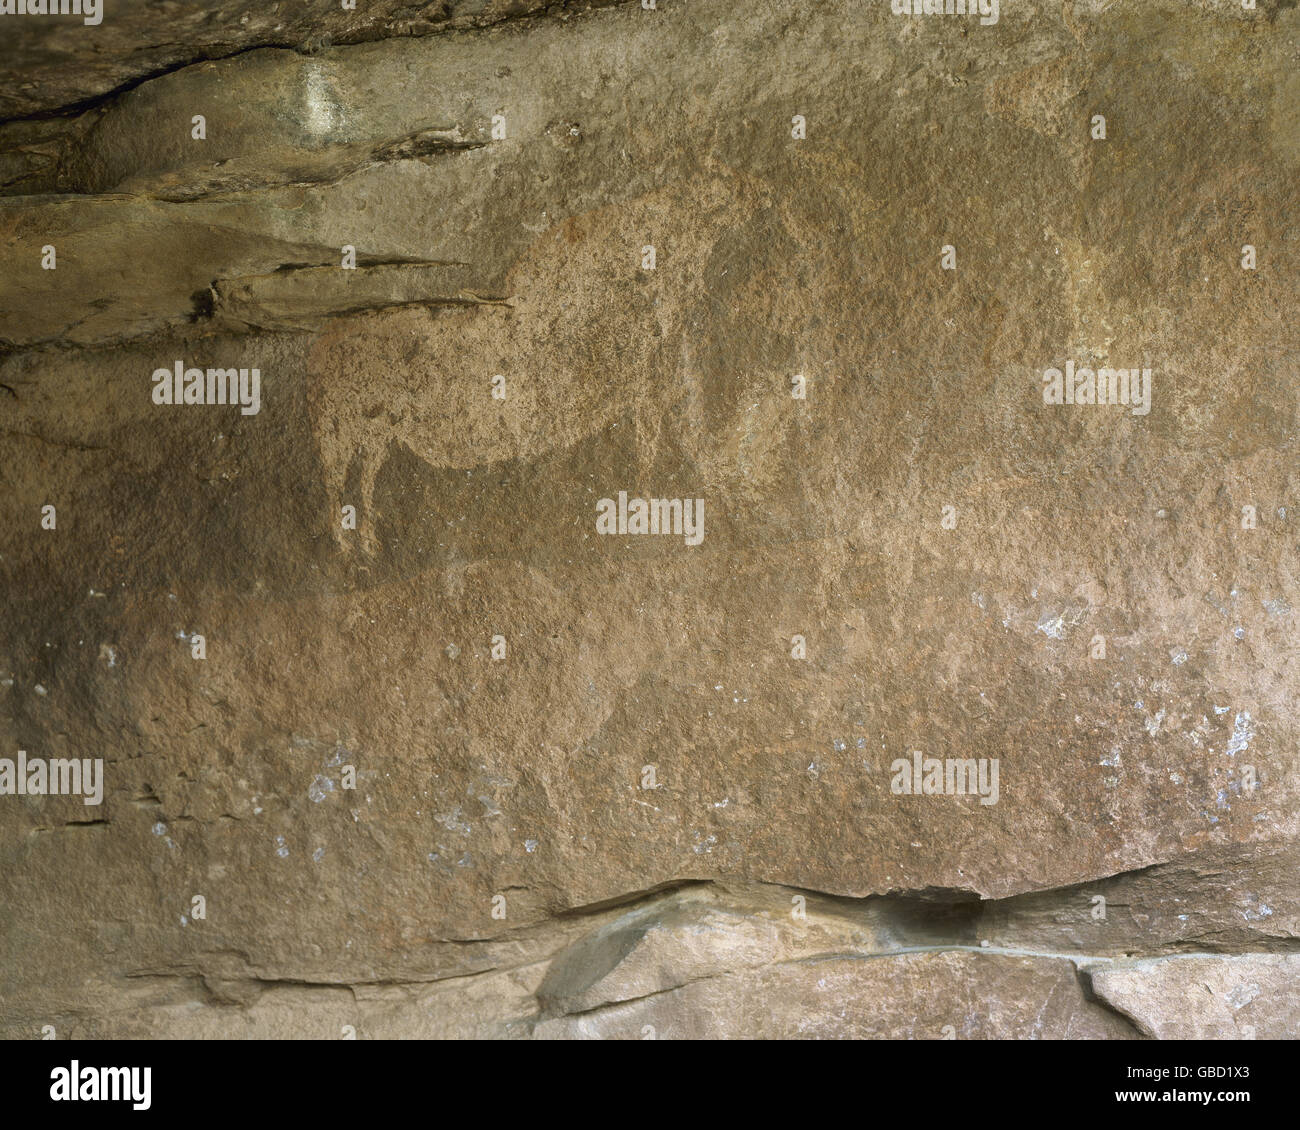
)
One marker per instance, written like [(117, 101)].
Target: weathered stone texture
[(1161, 778)]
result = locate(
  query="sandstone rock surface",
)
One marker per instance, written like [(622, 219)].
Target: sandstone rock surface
[(650, 813)]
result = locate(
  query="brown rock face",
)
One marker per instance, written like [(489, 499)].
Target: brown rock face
[(955, 362)]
